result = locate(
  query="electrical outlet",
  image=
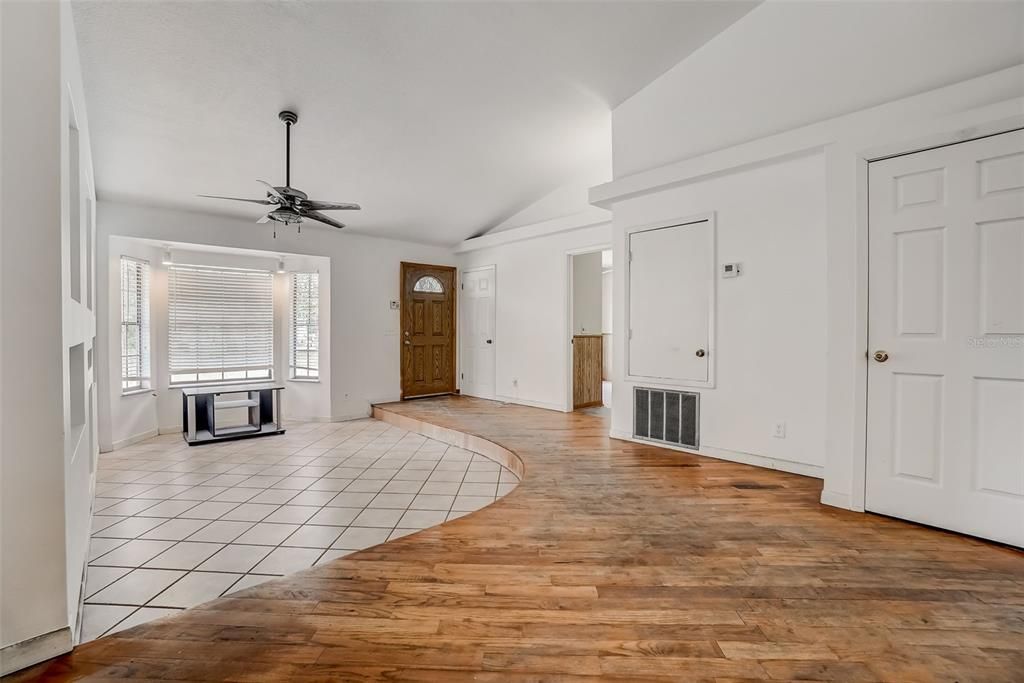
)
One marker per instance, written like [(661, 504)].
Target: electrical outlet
[(780, 430)]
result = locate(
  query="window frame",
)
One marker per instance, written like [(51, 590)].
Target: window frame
[(311, 324), (135, 384), (432, 282), (205, 376)]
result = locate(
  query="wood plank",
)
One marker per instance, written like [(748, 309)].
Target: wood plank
[(611, 561)]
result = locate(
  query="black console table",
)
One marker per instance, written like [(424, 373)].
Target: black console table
[(199, 406)]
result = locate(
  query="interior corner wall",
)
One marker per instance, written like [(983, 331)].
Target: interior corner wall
[(769, 350), (789, 64), (133, 417), (363, 354), (532, 325)]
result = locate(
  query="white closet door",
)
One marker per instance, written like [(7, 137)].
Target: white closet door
[(478, 341), (946, 338), (671, 286)]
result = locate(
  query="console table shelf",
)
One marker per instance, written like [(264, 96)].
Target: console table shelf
[(199, 406)]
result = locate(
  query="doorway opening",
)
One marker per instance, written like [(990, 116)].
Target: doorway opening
[(591, 319), (428, 330)]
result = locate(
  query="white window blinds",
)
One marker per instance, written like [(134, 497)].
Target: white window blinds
[(134, 324), (305, 327), (221, 324)]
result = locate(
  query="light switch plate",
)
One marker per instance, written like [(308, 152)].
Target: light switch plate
[(734, 269)]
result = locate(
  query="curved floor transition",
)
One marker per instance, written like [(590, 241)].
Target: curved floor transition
[(610, 561), (177, 526)]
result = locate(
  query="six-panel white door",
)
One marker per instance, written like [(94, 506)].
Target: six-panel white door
[(477, 304), (946, 338)]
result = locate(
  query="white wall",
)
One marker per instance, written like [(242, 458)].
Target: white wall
[(566, 200), (363, 279), (48, 436), (532, 326), (787, 64), (586, 293), (771, 325), (663, 142)]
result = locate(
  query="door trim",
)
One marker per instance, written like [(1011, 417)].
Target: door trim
[(710, 218), (567, 404), (864, 158), (453, 353), (462, 347)]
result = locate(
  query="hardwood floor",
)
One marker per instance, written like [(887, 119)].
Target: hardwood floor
[(611, 560)]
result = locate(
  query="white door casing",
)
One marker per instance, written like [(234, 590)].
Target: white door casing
[(671, 344), (945, 442), (478, 339)]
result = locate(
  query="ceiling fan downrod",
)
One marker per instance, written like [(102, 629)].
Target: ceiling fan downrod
[(289, 118)]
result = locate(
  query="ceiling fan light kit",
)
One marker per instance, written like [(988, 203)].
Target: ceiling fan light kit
[(292, 205)]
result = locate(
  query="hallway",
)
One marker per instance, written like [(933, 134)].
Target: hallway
[(611, 559)]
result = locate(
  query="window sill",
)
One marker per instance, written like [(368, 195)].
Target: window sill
[(305, 380), (137, 392), (230, 383)]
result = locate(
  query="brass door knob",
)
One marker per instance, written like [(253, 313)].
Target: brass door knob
[(701, 353), (881, 356)]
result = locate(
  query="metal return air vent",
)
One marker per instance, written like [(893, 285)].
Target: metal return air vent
[(667, 416)]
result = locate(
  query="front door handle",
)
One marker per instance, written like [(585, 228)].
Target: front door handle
[(408, 343)]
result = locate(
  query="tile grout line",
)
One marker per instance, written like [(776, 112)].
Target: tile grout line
[(361, 453)]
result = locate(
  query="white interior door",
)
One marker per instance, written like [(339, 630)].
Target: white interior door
[(946, 336), (671, 291), (478, 342)]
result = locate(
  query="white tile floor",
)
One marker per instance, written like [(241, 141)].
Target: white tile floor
[(175, 526)]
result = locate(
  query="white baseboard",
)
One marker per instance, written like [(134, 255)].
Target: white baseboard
[(349, 416), (135, 438), (837, 499), (312, 418), (532, 404), (17, 656), (803, 469)]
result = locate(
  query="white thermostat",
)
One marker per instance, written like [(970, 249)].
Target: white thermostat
[(732, 269)]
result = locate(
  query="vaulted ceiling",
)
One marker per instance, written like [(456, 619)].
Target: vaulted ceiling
[(440, 118)]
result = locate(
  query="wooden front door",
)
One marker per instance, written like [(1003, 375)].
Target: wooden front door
[(428, 330)]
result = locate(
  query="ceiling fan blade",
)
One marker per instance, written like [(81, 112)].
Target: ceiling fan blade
[(328, 206), (236, 199), (271, 189), (327, 220)]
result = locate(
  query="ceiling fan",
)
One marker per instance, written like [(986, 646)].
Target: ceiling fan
[(292, 206)]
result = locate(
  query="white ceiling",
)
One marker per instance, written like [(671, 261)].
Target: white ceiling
[(440, 118)]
